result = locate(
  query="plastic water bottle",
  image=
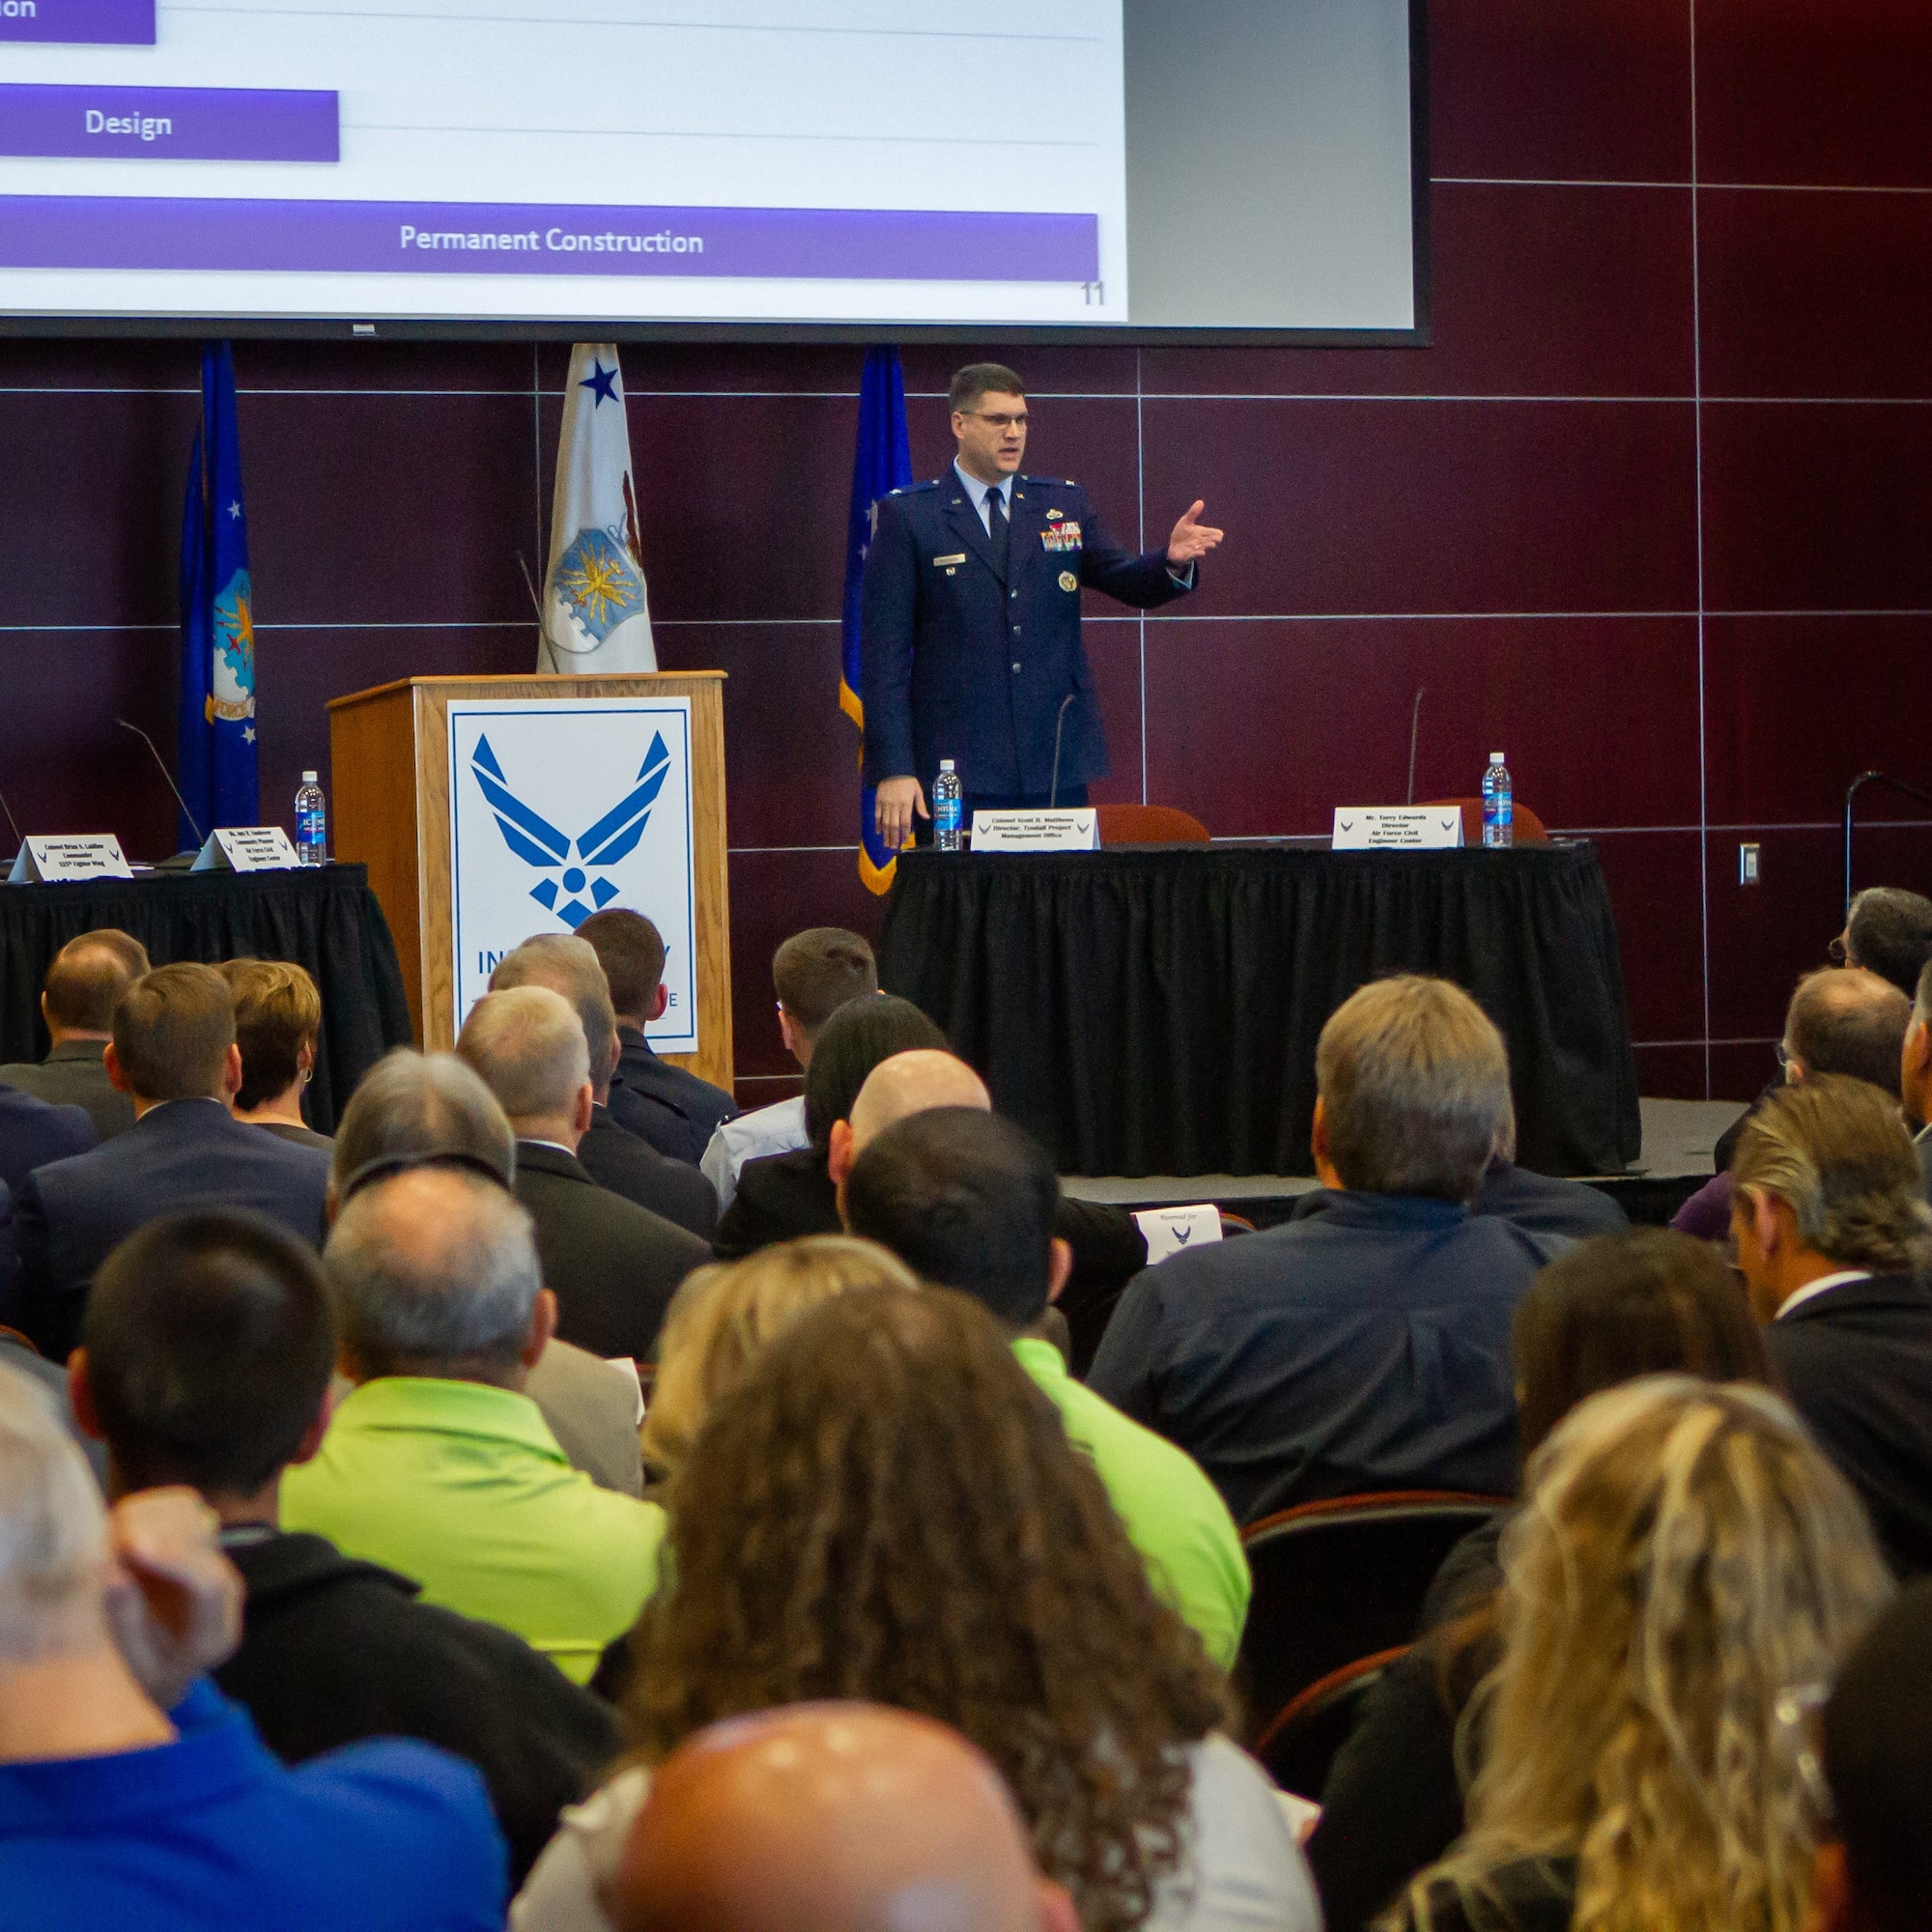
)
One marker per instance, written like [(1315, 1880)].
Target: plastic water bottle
[(311, 823), (946, 807), (1499, 828)]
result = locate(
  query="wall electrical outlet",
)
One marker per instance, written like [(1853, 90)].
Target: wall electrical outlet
[(1746, 865)]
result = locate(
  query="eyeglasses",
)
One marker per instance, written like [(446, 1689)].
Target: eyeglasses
[(1001, 423), (1785, 1055)]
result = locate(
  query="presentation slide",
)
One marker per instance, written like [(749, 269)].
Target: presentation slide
[(756, 162)]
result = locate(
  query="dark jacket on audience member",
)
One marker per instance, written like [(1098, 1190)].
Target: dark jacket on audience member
[(287, 1130), (185, 1153), (1364, 1346), (676, 1111), (627, 1164), (75, 1075), (1540, 1204), (1857, 1363), (613, 1266), (334, 1650), (780, 1197), (34, 1131)]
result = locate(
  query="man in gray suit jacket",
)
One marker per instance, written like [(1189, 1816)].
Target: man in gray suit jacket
[(82, 988), (613, 1266), (174, 1055)]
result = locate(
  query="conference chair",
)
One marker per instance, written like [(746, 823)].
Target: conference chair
[(1302, 1741), (1149, 825), (1526, 827), (1338, 1580)]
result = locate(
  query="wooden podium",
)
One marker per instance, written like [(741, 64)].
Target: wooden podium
[(391, 749)]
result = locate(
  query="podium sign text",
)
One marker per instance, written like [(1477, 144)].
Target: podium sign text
[(558, 810)]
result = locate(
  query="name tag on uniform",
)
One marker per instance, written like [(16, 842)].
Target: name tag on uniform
[(957, 557), (1061, 536)]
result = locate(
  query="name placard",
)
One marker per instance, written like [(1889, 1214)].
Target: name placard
[(1398, 828), (1170, 1230), (91, 856), (246, 848), (1065, 830)]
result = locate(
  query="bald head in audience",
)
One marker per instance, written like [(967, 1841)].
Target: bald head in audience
[(528, 1045), (831, 1818), (85, 982), (908, 1083)]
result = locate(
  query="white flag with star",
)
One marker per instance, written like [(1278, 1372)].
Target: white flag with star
[(596, 614)]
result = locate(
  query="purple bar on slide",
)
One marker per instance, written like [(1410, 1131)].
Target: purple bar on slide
[(168, 123), (118, 24), (475, 239)]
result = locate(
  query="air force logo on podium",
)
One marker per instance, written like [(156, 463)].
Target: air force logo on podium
[(523, 779)]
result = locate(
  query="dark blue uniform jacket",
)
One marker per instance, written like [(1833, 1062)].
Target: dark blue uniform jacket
[(961, 663)]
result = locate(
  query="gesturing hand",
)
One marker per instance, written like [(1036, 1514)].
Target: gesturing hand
[(1190, 539), (174, 1601)]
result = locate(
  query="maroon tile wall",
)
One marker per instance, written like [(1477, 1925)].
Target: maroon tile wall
[(1651, 514)]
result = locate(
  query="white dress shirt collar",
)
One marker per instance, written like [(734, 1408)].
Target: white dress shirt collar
[(1812, 1288)]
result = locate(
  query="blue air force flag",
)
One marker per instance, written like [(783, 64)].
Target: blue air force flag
[(596, 617), (881, 465), (217, 746)]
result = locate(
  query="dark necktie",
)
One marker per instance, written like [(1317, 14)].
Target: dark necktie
[(999, 527)]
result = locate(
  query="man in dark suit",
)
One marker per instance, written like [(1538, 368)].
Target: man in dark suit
[(1542, 1203), (624, 1162), (205, 1360), (84, 986), (613, 1266), (33, 1132), (672, 1109), (1830, 1225), (173, 1054), (1365, 1345), (970, 619)]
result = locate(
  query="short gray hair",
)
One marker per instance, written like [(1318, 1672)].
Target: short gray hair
[(432, 1266), (53, 1530), (568, 966), (410, 1104), (530, 1047), (1415, 1081)]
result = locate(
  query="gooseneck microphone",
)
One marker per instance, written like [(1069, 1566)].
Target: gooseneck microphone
[(201, 838), (8, 811), (1059, 725), (1414, 725)]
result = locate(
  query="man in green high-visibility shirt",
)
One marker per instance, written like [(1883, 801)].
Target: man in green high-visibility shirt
[(438, 1465)]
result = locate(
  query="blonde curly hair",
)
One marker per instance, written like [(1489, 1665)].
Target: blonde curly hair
[(1685, 1558)]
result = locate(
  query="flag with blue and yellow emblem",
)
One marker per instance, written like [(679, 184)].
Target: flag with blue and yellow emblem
[(882, 464), (216, 750)]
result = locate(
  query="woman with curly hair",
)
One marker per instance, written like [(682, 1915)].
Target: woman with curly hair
[(1685, 1570), (888, 1509)]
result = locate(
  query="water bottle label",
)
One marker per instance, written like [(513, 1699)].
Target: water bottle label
[(945, 814)]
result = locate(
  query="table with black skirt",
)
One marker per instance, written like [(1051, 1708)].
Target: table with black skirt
[(1155, 1009), (323, 917)]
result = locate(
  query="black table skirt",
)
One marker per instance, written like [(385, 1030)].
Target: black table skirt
[(1155, 1010), (325, 920)]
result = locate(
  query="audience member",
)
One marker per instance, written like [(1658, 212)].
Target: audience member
[(885, 1509), (174, 1055), (1364, 1346), (785, 1195), (1831, 1232), (438, 1465), (967, 1199), (205, 1360), (1914, 1076), (1874, 1873), (18, 1352), (82, 987), (614, 1264), (277, 1025), (1685, 1559), (132, 1793), (1611, 1309), (1889, 932), (815, 972), (725, 1315), (672, 1109), (616, 1158), (414, 1109), (1840, 1020), (34, 1132), (1542, 1203), (833, 1817)]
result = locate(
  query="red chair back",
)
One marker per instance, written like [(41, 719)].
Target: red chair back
[(1149, 825), (1299, 1742), (1526, 829)]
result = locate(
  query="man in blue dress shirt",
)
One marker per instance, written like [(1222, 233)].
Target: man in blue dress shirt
[(971, 621)]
